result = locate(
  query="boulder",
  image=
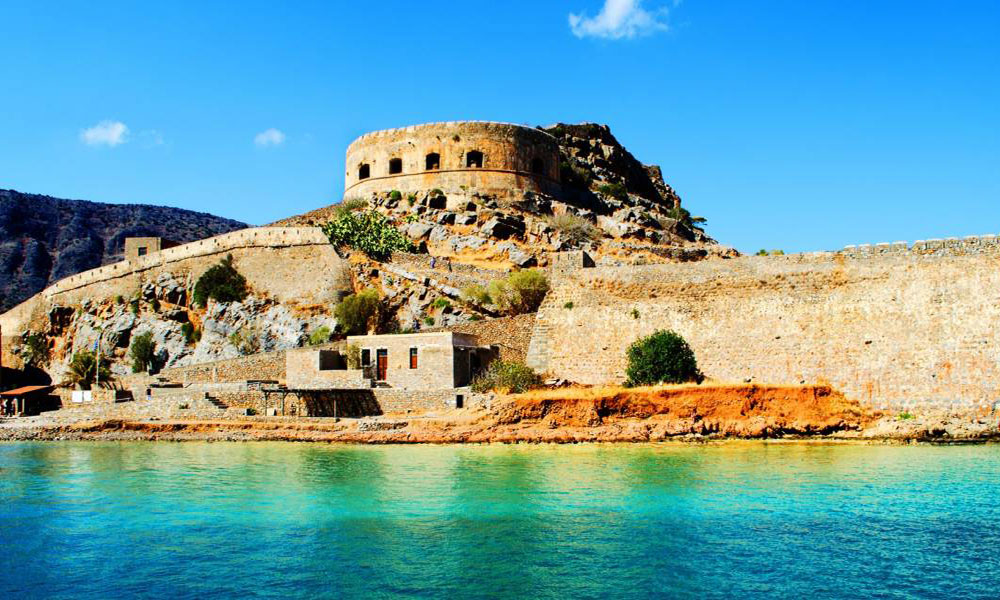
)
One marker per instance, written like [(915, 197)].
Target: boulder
[(503, 227)]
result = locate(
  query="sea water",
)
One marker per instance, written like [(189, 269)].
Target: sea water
[(736, 520)]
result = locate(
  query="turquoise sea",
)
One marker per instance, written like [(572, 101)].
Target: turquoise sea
[(738, 520)]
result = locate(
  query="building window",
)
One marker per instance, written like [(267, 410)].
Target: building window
[(366, 358), (474, 159), (413, 358), (395, 166), (538, 166), (433, 162), (142, 251), (364, 172)]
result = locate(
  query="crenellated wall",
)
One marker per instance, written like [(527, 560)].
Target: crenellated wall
[(891, 325), (515, 157), (284, 263)]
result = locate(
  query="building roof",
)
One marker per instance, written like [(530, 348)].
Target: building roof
[(24, 391)]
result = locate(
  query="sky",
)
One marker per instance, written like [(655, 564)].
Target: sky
[(794, 125)]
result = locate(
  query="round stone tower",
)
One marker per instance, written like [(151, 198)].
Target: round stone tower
[(455, 157)]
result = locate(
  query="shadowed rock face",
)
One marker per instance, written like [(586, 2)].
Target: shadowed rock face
[(43, 239)]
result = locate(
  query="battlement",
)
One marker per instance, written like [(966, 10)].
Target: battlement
[(968, 245)]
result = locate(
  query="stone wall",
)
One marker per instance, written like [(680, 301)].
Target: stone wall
[(890, 325), (268, 366), (509, 155), (510, 334), (437, 358), (295, 264), (305, 370)]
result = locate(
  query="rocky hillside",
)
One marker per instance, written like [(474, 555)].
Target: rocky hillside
[(43, 239), (611, 205)]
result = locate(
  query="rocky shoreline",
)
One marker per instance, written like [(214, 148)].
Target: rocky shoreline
[(684, 414)]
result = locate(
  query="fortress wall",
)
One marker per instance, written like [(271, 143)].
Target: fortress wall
[(899, 328), (285, 263), (508, 154)]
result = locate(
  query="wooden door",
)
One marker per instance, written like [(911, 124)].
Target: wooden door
[(382, 364)]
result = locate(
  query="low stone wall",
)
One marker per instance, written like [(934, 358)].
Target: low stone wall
[(268, 366), (175, 406)]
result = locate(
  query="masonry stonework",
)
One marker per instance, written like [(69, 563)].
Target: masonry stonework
[(493, 158), (893, 327)]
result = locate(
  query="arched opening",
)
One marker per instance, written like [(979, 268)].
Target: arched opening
[(433, 162), (538, 166), (474, 159), (395, 166), (364, 172)]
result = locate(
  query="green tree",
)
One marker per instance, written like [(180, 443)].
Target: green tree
[(222, 283), (356, 312), (143, 352), (663, 357), (83, 370)]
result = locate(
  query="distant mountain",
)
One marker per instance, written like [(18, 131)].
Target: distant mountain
[(44, 239)]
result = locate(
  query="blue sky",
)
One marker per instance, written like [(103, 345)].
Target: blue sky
[(796, 125)]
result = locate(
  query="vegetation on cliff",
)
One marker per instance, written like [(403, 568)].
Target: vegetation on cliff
[(663, 357), (521, 292), (83, 370), (369, 232), (143, 352), (222, 283)]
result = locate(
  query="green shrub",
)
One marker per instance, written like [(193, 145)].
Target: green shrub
[(762, 252), (684, 217), (349, 205), (119, 299), (905, 416), (411, 199), (574, 229), (320, 336), (134, 306), (395, 195), (83, 370), (143, 352), (441, 303), (575, 176), (635, 314), (615, 190), (521, 292), (192, 335), (777, 252), (429, 321), (357, 311), (222, 283), (35, 351), (663, 357), (476, 294), (370, 232), (568, 306), (246, 340), (504, 376)]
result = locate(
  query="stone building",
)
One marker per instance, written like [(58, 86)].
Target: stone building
[(136, 247), (493, 158), (418, 361)]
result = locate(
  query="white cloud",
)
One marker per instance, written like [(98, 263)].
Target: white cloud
[(620, 19), (105, 133), (270, 137)]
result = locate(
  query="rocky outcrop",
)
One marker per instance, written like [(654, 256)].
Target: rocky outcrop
[(44, 239)]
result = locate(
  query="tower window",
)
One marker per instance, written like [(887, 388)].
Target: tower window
[(395, 166), (433, 162), (474, 159), (364, 172), (538, 166)]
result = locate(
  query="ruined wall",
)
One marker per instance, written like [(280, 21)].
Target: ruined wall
[(509, 155), (284, 263), (890, 325), (511, 334)]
